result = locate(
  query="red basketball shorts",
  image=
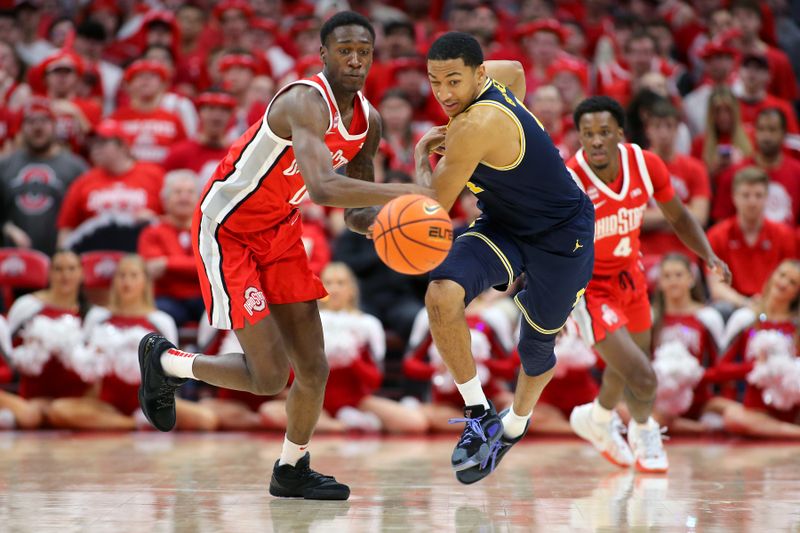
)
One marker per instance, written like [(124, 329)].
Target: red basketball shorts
[(242, 273), (613, 302)]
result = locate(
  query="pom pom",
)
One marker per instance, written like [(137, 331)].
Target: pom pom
[(109, 350), (778, 377), (345, 337), (767, 342), (678, 373), (572, 352), (44, 337)]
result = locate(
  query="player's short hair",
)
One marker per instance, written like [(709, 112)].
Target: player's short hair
[(774, 111), (455, 45), (598, 104), (664, 109), (749, 176), (344, 18)]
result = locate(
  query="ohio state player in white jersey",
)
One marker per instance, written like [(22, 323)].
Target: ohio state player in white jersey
[(614, 314), (253, 267)]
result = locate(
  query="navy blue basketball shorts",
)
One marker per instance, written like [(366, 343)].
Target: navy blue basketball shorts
[(557, 268)]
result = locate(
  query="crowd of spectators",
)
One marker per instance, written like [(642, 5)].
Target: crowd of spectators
[(114, 114)]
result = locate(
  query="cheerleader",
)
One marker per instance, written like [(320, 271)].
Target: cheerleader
[(763, 352), (687, 337), (110, 359), (44, 329), (241, 410), (492, 348)]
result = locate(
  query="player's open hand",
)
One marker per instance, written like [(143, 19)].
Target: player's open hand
[(432, 141), (718, 267)]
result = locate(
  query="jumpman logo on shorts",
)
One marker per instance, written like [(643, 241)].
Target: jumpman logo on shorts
[(577, 245)]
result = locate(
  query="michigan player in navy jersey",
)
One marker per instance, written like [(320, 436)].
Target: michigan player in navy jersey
[(535, 220)]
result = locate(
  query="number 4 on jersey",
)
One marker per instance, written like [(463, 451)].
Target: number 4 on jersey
[(623, 249)]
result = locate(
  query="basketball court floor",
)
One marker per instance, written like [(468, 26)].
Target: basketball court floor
[(151, 483)]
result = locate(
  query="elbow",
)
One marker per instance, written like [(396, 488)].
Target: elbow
[(319, 193)]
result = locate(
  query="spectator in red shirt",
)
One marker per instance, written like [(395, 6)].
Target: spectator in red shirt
[(622, 81), (747, 18), (410, 75), (753, 95), (689, 179), (399, 137), (571, 78), (725, 141), (106, 208), (238, 71), (152, 129), (548, 107), (203, 153), (541, 43), (166, 247), (783, 200), (234, 21), (751, 245)]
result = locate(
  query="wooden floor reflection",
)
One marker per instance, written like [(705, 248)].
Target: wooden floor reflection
[(157, 483)]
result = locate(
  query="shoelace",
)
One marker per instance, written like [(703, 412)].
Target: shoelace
[(166, 396), (474, 427), (651, 441), (306, 470), (493, 451)]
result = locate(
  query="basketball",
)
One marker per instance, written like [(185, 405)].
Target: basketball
[(412, 234)]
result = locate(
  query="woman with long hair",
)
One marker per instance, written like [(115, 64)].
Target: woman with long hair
[(110, 359), (687, 339), (763, 352), (725, 141), (355, 345), (45, 328)]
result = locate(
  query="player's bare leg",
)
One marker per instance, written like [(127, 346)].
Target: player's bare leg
[(529, 389), (444, 301)]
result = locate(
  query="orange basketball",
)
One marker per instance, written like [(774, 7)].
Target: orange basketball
[(412, 234)]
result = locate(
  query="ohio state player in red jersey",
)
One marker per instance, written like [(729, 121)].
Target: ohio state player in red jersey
[(614, 314), (247, 238)]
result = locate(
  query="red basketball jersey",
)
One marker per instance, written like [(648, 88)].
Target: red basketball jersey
[(619, 206), (258, 184)]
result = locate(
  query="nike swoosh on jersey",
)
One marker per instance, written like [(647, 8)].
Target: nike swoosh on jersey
[(430, 209)]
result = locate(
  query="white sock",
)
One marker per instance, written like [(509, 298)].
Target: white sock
[(291, 452), (647, 425), (472, 392), (514, 424), (178, 363), (600, 414)]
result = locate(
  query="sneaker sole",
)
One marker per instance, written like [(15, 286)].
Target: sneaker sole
[(610, 458), (317, 495), (644, 470), (142, 363), (603, 453)]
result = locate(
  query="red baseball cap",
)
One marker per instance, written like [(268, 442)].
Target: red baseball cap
[(37, 104), (549, 25), (713, 49), (215, 99), (62, 60), (236, 5), (147, 65), (239, 60), (109, 129), (570, 66)]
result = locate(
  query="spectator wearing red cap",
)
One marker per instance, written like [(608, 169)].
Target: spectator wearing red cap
[(171, 100), (197, 37), (783, 198), (688, 176), (748, 19), (75, 116), (265, 37), (31, 47), (719, 63), (547, 105), (203, 153), (152, 130), (34, 179), (620, 79), (752, 92), (541, 43), (571, 77), (238, 70), (166, 247), (106, 207), (233, 17)]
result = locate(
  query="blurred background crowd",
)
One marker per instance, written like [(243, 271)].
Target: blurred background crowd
[(113, 114)]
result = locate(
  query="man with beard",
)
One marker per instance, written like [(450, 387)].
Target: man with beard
[(783, 200), (34, 179)]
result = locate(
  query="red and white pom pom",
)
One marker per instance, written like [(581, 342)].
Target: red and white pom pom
[(778, 377), (89, 363), (110, 350), (768, 342), (44, 337), (481, 351), (572, 352), (678, 373)]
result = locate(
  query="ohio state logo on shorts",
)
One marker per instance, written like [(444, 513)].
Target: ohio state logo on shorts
[(609, 316), (254, 300)]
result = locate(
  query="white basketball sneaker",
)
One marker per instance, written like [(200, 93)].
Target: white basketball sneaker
[(606, 438), (648, 448)]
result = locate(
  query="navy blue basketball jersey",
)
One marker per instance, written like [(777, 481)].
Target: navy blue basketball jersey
[(535, 193)]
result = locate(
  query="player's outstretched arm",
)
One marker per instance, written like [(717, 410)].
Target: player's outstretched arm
[(302, 113), (465, 144), (693, 236), (362, 167), (509, 73)]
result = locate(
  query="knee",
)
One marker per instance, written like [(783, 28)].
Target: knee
[(415, 423), (444, 296), (536, 353), (206, 420), (642, 381), (314, 372), (271, 382), (29, 418)]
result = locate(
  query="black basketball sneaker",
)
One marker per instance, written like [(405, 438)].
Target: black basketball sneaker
[(482, 428), (299, 481), (157, 389), (498, 450)]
